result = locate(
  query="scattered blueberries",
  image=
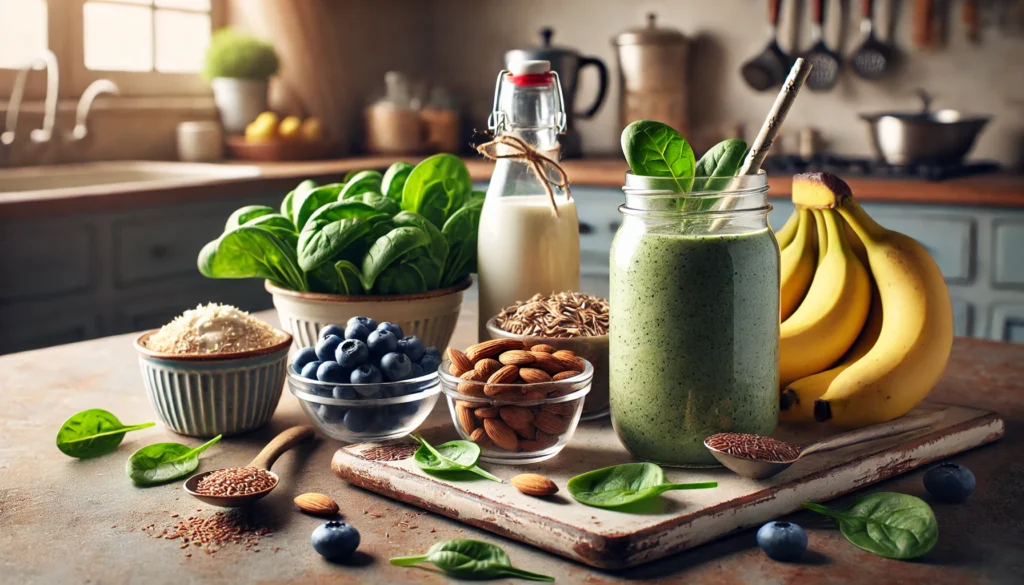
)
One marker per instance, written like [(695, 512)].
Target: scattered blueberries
[(949, 482), (362, 361), (782, 541), (335, 540)]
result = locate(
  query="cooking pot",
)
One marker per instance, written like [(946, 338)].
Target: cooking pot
[(940, 137)]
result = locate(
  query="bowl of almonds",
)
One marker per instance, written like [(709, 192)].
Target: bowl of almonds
[(520, 403)]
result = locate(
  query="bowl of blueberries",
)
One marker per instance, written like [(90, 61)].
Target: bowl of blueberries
[(367, 381)]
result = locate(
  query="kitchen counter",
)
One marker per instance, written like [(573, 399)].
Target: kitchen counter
[(996, 190), (71, 521)]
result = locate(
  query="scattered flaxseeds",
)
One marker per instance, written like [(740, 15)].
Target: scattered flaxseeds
[(566, 314), (213, 328), (236, 481), (214, 532), (747, 446)]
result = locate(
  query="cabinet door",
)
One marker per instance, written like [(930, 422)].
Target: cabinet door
[(950, 240), (43, 258), (963, 318), (1008, 323), (155, 248), (1008, 252), (36, 324)]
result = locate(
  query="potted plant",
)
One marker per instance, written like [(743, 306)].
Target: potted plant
[(396, 247), (238, 67)]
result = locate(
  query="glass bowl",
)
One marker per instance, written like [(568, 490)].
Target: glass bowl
[(357, 413), (516, 424)]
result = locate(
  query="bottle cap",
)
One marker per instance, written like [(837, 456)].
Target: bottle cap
[(529, 67)]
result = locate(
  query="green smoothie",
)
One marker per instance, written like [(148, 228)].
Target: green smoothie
[(694, 346)]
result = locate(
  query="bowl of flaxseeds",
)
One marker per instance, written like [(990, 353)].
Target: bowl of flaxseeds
[(214, 370), (572, 321)]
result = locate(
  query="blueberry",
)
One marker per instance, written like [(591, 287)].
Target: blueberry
[(303, 357), (344, 393), (309, 370), (782, 541), (369, 323), (395, 366), (352, 353), (369, 378), (335, 540), (357, 331), (949, 482), (332, 414), (415, 372), (381, 342), (430, 363), (326, 347), (358, 420), (394, 329), (413, 347), (331, 330), (332, 372), (433, 351)]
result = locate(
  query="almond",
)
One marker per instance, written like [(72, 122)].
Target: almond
[(516, 357), (532, 484), (535, 395), (564, 391), (506, 375), (550, 423), (547, 362), (493, 391), (561, 408), (545, 439), (569, 360), (479, 436), (460, 363), (318, 504), (564, 353), (502, 434), (533, 375), (543, 348), (565, 374), (486, 412), (469, 388), (502, 394), (532, 445), (487, 366), (491, 348), (516, 416), (465, 418)]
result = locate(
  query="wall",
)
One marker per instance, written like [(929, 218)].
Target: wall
[(469, 37)]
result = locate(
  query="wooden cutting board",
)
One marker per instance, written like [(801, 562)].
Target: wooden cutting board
[(677, 521)]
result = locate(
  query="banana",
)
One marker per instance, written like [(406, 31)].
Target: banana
[(788, 231), (797, 401), (819, 224), (832, 314), (796, 267)]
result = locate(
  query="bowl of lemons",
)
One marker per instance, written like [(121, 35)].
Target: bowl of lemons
[(272, 138)]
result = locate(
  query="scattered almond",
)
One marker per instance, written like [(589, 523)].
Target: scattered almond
[(550, 423), (532, 484), (534, 375), (543, 348), (460, 362), (487, 366), (491, 348), (565, 374), (516, 357), (502, 434), (318, 504), (506, 375), (465, 418)]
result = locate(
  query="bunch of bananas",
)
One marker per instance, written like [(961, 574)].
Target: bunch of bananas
[(867, 325)]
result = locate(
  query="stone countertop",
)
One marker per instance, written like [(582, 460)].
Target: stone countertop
[(71, 521), (994, 190)]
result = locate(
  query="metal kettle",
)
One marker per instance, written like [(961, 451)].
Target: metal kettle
[(568, 63)]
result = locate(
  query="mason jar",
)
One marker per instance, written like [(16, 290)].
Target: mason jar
[(694, 321)]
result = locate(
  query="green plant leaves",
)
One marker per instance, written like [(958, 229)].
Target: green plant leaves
[(92, 433), (359, 183), (655, 149), (461, 232), (248, 252), (892, 525), (286, 205), (624, 484), (306, 203), (394, 180), (450, 456), (437, 187), (464, 558), (723, 161), (389, 248), (163, 462), (438, 244), (246, 214), (332, 229), (340, 278)]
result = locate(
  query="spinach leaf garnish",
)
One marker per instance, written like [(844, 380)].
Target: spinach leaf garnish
[(92, 433), (717, 167), (624, 484), (892, 525), (450, 456), (163, 462), (464, 558), (655, 149)]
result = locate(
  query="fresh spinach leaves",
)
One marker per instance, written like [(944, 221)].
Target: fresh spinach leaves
[(359, 183), (305, 203), (717, 167), (450, 456), (92, 433), (332, 230), (163, 462), (437, 188), (394, 180), (655, 149), (624, 484), (250, 251), (892, 525), (460, 231), (463, 558)]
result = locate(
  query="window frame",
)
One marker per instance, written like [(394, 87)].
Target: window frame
[(65, 37)]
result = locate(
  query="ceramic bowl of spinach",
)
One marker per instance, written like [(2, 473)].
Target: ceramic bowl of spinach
[(396, 246)]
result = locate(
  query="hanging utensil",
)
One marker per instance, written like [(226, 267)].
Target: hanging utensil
[(872, 57), (824, 61), (770, 67), (972, 20)]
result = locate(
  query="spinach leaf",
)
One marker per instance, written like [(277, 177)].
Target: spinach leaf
[(437, 187), (723, 161), (461, 233), (338, 278), (438, 244), (279, 225), (252, 252), (331, 230), (305, 203), (246, 214), (92, 433), (895, 526), (286, 205), (416, 272), (657, 150), (464, 558), (359, 183), (450, 456), (389, 248), (394, 180), (377, 201), (619, 485), (163, 462)]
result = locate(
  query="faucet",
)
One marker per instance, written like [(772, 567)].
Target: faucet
[(94, 90), (49, 61)]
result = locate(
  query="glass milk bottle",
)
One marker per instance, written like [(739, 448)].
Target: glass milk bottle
[(524, 247)]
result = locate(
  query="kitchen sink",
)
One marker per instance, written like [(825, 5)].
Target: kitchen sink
[(88, 177)]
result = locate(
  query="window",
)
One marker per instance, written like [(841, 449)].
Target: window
[(147, 47)]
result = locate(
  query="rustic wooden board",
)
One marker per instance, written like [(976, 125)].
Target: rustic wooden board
[(678, 520)]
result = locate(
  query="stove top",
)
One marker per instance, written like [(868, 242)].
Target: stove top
[(870, 167)]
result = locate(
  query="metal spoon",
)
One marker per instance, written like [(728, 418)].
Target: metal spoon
[(872, 57), (274, 449), (824, 61), (763, 469)]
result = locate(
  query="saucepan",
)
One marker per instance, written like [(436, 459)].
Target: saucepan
[(925, 137)]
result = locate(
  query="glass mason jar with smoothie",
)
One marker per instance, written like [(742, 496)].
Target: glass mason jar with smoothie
[(694, 318)]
